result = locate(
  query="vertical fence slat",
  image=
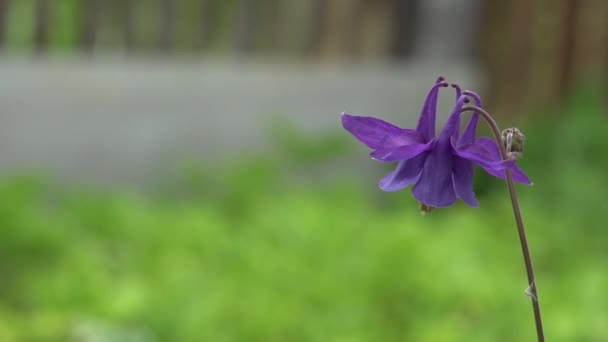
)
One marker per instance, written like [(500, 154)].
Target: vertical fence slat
[(353, 39), (207, 10), (167, 26), (4, 10), (404, 25), (41, 25), (88, 24), (318, 24), (267, 19), (128, 24), (245, 21)]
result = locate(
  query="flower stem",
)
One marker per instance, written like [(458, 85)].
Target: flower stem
[(531, 291)]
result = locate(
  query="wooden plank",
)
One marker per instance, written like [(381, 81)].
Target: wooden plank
[(167, 25), (41, 25), (267, 21), (550, 55), (128, 24), (89, 23), (4, 11), (589, 37), (207, 10), (318, 25), (404, 25), (338, 38), (246, 25)]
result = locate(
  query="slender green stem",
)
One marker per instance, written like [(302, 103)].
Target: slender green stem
[(518, 220)]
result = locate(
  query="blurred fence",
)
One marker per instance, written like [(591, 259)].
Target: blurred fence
[(133, 121), (316, 27)]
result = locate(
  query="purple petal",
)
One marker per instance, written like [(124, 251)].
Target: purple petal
[(435, 186), (458, 90), (468, 137), (484, 152), (391, 142), (475, 97), (401, 153), (406, 173), (453, 122), (456, 133), (394, 148), (488, 154), (368, 130), (519, 175), (426, 122), (463, 172)]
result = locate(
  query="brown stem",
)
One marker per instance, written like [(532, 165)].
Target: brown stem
[(518, 220)]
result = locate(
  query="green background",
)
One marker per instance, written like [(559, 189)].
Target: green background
[(239, 253), (243, 252)]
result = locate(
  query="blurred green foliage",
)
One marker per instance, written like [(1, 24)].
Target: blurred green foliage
[(247, 255)]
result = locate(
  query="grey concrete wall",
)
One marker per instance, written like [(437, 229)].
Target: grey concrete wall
[(113, 121)]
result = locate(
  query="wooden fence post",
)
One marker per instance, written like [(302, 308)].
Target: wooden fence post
[(318, 24), (128, 24), (88, 24), (41, 25), (4, 10), (404, 24), (246, 19), (167, 24), (207, 11)]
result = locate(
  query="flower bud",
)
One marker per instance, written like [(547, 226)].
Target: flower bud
[(513, 140)]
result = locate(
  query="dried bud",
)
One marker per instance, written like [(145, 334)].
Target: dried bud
[(424, 208), (513, 140)]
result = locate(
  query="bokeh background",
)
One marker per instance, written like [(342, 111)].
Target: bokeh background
[(176, 171)]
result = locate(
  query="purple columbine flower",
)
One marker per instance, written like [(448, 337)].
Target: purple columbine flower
[(441, 168)]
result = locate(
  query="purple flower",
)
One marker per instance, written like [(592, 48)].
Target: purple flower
[(441, 168)]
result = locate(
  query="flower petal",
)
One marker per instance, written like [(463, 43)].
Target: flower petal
[(406, 173), (368, 130), (391, 142), (468, 136), (463, 172), (428, 115), (391, 145), (486, 153), (435, 187), (453, 123), (404, 152), (518, 174)]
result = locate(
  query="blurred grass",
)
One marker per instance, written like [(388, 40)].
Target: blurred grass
[(246, 255)]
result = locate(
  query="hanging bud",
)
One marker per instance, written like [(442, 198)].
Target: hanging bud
[(513, 140), (424, 208)]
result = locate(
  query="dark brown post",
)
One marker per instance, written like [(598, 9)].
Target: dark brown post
[(88, 24), (4, 8), (267, 23), (246, 25), (352, 40), (128, 25), (42, 25), (166, 25), (207, 8), (318, 24), (404, 25)]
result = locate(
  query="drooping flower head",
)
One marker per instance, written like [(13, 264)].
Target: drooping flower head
[(441, 168)]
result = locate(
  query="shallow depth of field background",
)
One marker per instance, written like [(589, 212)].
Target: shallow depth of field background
[(176, 171)]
